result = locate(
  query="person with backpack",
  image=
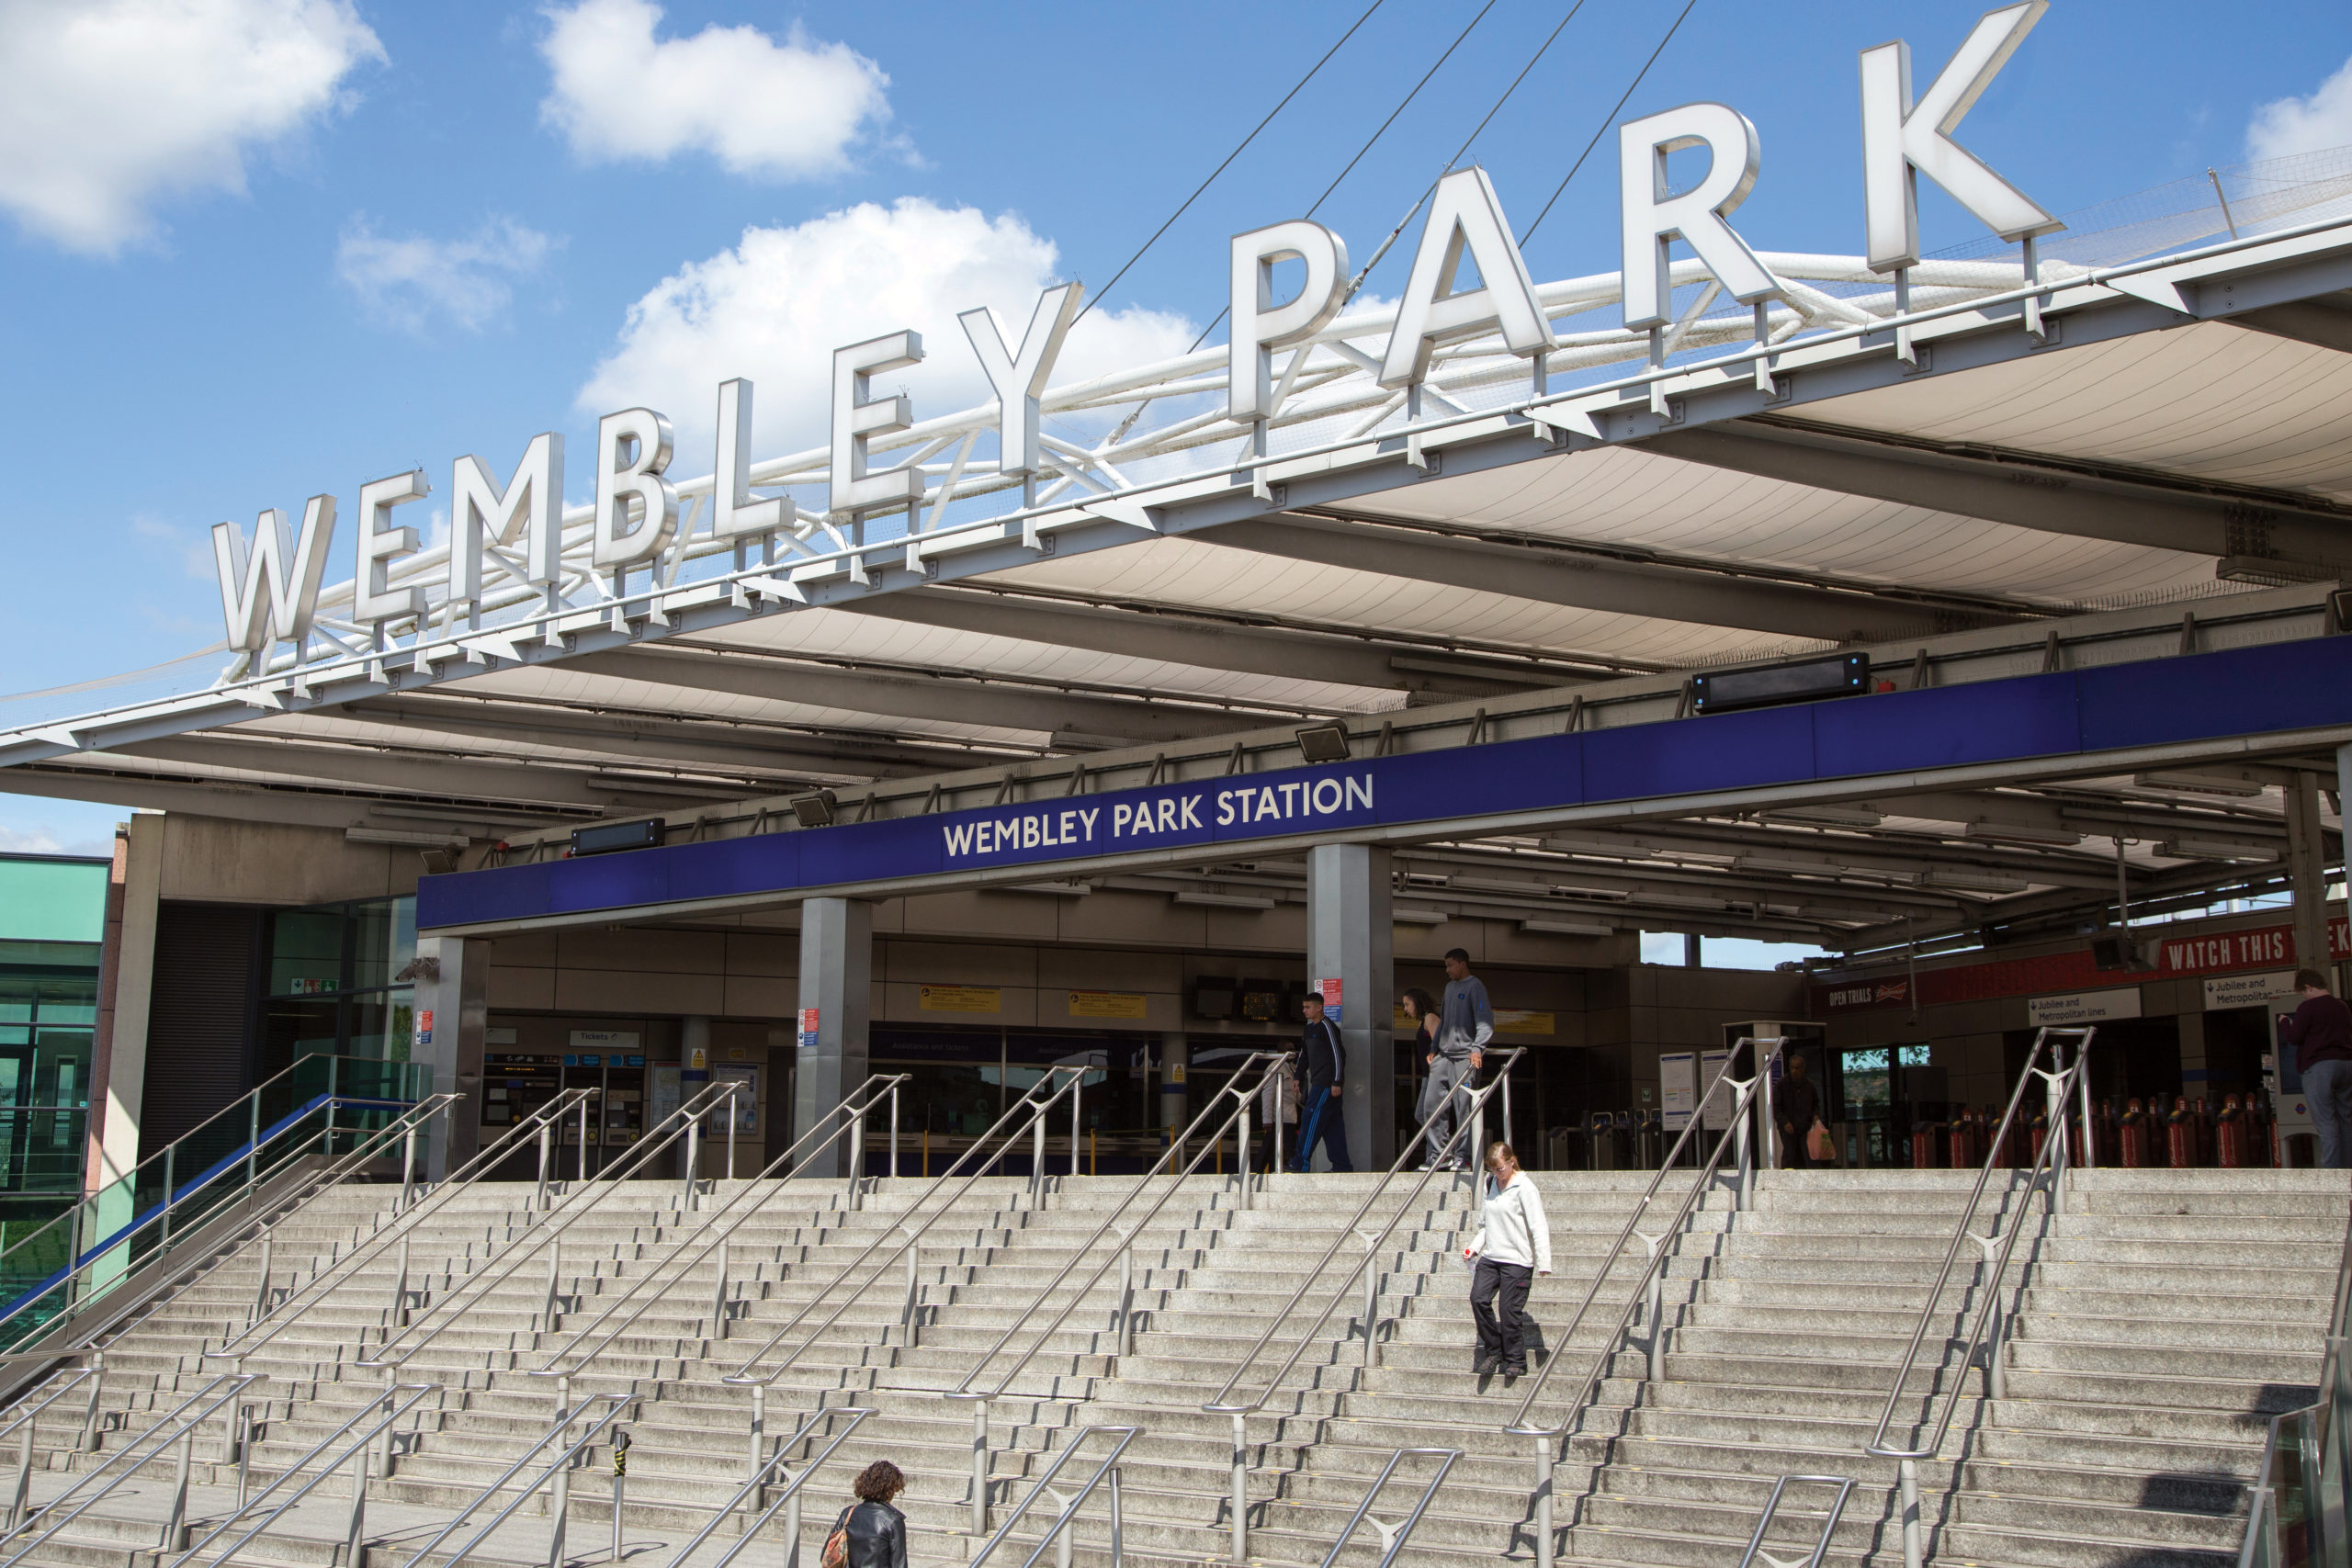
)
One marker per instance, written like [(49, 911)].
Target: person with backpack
[(870, 1533), (1321, 1117)]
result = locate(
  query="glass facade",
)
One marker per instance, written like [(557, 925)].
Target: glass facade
[(52, 920), (333, 983)]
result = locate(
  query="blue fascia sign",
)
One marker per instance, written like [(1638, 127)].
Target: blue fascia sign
[(2212, 696)]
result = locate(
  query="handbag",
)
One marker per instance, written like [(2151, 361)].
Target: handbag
[(1817, 1145), (836, 1552)]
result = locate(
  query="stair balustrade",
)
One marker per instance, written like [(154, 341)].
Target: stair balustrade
[(1845, 1484), (2298, 1511), (1647, 1288), (1393, 1537)]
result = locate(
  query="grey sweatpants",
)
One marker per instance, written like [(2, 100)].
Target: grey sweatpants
[(1445, 1095)]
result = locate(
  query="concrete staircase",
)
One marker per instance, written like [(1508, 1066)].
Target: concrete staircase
[(2160, 1321)]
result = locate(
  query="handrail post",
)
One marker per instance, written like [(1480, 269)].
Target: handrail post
[(171, 1154), (1543, 1476), (555, 1266), (253, 1142), (753, 1496), (980, 1467), (1371, 1299), (174, 1537), (334, 1081), (261, 1291), (1077, 1096), (1118, 1523), (397, 1317), (408, 1168), (1038, 1159), (1745, 1153), (718, 1294), (560, 1508), (1908, 1470), (692, 1197), (857, 1159), (1240, 1488), (580, 1164), (90, 1415), (1241, 1156), (1123, 1342), (894, 1132), (1768, 1124), (2083, 1100), (910, 1314), (355, 1535), (1656, 1305), (546, 1158), (734, 1120)]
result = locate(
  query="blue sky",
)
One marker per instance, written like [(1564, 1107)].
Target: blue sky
[(275, 247)]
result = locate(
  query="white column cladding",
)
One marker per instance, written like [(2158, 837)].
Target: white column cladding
[(1350, 937), (453, 985), (837, 979)]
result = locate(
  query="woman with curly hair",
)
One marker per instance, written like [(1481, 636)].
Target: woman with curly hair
[(870, 1533)]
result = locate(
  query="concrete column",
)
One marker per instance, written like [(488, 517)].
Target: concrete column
[(693, 1072), (2307, 870), (1350, 937), (837, 980), (453, 986), (120, 1077), (1175, 1066)]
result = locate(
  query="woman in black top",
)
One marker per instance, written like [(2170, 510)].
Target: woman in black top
[(877, 1533)]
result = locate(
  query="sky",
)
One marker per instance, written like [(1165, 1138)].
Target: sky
[(260, 249)]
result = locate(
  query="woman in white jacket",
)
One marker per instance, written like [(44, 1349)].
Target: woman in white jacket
[(1513, 1245)]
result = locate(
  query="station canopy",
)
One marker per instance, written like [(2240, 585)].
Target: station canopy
[(2180, 460)]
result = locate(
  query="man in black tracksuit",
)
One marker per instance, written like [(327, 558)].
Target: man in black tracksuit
[(1319, 1114)]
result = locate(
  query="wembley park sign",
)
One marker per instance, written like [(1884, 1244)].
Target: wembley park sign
[(515, 532)]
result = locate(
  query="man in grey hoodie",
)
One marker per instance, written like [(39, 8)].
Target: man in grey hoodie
[(1465, 1023)]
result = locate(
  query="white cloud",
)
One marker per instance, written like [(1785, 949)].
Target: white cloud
[(2304, 125), (193, 546), (776, 306), (408, 283), (778, 110), (112, 105)]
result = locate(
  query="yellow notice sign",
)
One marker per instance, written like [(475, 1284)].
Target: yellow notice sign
[(1106, 1004), (962, 999), (1515, 1021)]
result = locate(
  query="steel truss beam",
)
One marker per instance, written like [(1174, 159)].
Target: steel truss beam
[(1006, 704), (2027, 489), (386, 771), (1180, 635), (1583, 581), (2323, 321)]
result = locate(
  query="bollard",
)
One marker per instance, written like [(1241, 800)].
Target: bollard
[(719, 1295), (1240, 1488), (981, 1468)]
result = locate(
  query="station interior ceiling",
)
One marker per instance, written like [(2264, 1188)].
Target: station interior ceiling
[(2169, 474)]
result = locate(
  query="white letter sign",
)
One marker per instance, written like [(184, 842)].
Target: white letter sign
[(1020, 378), (1260, 326), (1651, 217), (856, 418), (272, 591), (528, 511), (733, 512), (638, 478), (373, 598), (1902, 141), (1465, 215)]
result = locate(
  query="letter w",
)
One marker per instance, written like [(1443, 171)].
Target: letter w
[(270, 590), (959, 839)]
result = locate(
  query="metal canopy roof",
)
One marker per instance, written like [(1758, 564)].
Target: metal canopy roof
[(2174, 445)]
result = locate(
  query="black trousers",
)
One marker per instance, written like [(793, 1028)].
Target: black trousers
[(1794, 1153), (1323, 1120), (1498, 1300)]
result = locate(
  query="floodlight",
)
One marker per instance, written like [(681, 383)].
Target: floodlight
[(1324, 742), (814, 810)]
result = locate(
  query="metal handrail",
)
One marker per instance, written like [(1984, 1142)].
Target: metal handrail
[(2051, 1156), (1275, 1062), (1845, 1484), (380, 1418), (166, 1156), (557, 1470), (1060, 1529), (2330, 1420), (176, 1426), (412, 1119), (788, 1499), (610, 1180), (713, 1234), (408, 1220), (1030, 1102), (2049, 1164), (1470, 1117), (25, 1416), (1748, 1093), (1393, 1537)]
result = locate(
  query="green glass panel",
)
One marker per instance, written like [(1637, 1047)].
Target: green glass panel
[(386, 942)]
